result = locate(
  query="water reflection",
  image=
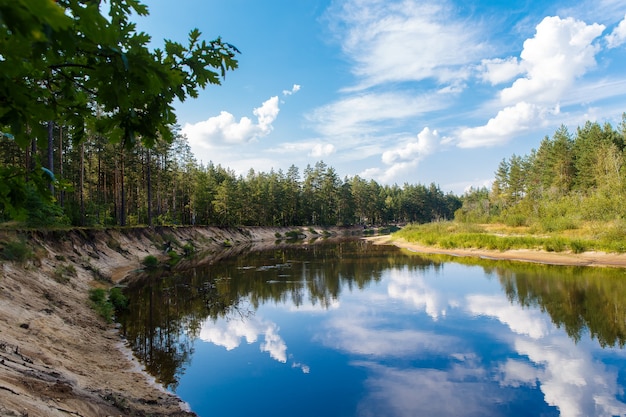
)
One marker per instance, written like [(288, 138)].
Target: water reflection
[(418, 335)]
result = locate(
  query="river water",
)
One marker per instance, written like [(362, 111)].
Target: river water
[(355, 329)]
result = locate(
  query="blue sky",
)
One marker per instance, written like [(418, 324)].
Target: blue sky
[(400, 91)]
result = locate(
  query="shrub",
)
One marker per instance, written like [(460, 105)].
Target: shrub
[(117, 299), (150, 262), (101, 304), (188, 249), (16, 251), (277, 235)]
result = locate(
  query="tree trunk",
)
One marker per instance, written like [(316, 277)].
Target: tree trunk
[(61, 192), (122, 190), (149, 185), (51, 152), (81, 185)]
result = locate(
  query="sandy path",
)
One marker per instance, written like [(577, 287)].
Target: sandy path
[(522, 255)]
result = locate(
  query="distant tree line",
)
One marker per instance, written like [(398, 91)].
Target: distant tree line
[(570, 178), (100, 183)]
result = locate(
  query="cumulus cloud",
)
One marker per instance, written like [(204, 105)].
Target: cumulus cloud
[(229, 334), (424, 145), (560, 51), (509, 121), (417, 293), (496, 71), (618, 36), (406, 40), (404, 157), (526, 322), (571, 379), (226, 129)]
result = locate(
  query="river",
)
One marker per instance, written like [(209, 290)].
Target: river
[(355, 329)]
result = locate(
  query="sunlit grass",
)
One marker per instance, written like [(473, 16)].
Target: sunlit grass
[(606, 237)]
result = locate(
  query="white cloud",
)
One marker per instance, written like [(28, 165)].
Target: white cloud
[(618, 36), (496, 71), (405, 157), (321, 150), (314, 149), (412, 289), (572, 380), (516, 373), (359, 334), (561, 51), (229, 334), (406, 40), (525, 322), (266, 114), (399, 392), (363, 114), (426, 142), (293, 90), (225, 129), (509, 122)]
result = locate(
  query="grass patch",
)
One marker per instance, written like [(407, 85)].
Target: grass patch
[(63, 273), (565, 236), (100, 303)]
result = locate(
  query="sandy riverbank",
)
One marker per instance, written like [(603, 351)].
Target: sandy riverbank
[(57, 356), (600, 259)]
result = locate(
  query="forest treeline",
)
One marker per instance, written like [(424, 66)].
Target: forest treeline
[(100, 183), (570, 179)]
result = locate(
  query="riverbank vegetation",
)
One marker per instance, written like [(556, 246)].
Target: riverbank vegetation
[(568, 195)]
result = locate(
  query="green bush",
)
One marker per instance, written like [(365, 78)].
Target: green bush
[(118, 299), (101, 304), (17, 251), (150, 262), (106, 305), (188, 249)]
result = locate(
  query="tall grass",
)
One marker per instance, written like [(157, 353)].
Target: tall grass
[(453, 235)]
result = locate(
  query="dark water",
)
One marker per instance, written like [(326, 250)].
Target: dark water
[(353, 329)]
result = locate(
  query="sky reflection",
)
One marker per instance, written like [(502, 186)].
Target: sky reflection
[(444, 341)]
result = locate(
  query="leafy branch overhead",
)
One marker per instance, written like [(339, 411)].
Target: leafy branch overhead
[(68, 62)]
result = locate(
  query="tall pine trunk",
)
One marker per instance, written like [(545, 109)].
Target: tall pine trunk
[(149, 185), (51, 151)]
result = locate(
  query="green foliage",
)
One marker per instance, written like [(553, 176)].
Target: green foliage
[(188, 249), (16, 251), (106, 304), (63, 273), (100, 303), (58, 63), (150, 262), (293, 234), (118, 299)]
